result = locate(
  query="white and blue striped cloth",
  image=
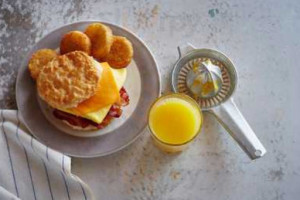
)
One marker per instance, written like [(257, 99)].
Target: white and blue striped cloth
[(31, 170)]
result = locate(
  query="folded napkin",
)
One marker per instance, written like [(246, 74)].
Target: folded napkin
[(31, 170)]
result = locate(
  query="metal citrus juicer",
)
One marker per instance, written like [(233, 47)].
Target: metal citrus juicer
[(210, 78)]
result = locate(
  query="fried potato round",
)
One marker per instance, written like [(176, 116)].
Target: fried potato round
[(120, 54), (75, 41), (68, 80), (38, 60), (101, 38)]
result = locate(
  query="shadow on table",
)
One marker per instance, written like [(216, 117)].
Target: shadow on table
[(142, 167)]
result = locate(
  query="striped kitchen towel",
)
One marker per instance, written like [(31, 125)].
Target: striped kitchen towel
[(31, 170)]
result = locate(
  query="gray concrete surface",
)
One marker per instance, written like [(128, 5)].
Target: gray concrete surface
[(261, 37)]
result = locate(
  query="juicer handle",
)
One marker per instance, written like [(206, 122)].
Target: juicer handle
[(233, 121), (184, 49)]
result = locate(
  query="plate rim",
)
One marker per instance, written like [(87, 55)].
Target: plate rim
[(23, 64)]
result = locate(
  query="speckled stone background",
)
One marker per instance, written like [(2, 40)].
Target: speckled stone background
[(261, 37)]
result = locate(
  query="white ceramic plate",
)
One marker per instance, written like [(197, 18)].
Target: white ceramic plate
[(142, 85)]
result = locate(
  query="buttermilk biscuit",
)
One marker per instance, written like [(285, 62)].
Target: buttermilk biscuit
[(68, 80), (120, 53), (75, 41), (38, 60), (101, 37)]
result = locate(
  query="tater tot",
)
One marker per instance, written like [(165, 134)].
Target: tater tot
[(120, 54), (75, 41), (101, 38), (39, 59)]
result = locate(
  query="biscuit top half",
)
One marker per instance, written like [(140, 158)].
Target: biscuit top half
[(68, 80)]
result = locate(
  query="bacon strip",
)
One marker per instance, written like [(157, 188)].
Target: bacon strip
[(114, 112), (124, 97), (71, 119)]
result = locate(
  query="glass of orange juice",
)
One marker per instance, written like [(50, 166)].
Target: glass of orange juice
[(174, 121)]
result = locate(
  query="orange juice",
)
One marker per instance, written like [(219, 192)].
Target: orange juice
[(174, 121)]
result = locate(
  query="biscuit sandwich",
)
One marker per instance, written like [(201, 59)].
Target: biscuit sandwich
[(83, 93)]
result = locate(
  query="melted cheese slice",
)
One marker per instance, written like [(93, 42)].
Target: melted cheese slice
[(97, 107), (106, 94)]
